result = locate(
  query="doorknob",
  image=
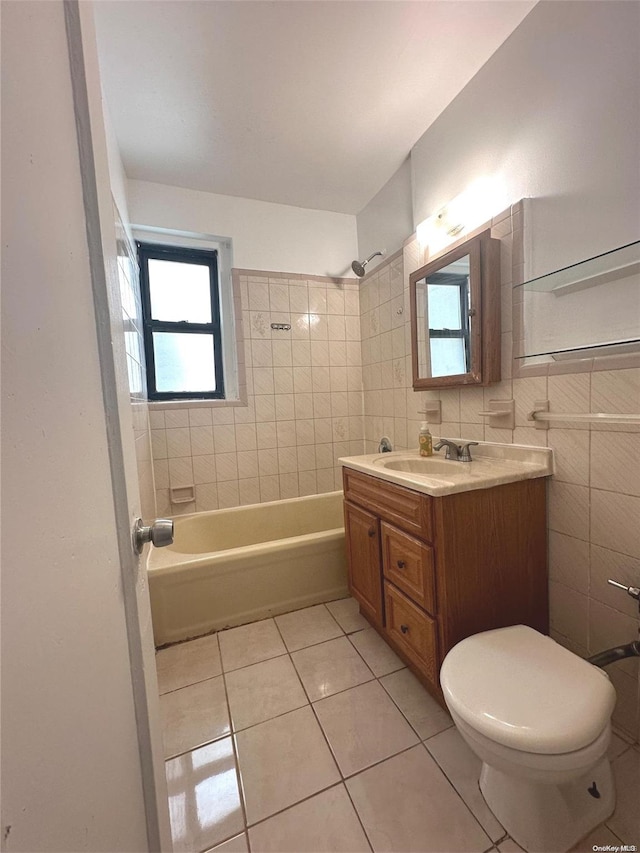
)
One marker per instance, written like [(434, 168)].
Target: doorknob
[(160, 533)]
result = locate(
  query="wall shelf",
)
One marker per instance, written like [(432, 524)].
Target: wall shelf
[(432, 411), (601, 269), (501, 414), (586, 310)]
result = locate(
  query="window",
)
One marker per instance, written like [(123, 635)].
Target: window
[(449, 323), (181, 314)]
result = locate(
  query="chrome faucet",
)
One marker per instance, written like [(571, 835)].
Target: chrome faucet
[(385, 445), (456, 452)]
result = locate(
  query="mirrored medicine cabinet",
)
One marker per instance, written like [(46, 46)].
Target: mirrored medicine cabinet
[(455, 316)]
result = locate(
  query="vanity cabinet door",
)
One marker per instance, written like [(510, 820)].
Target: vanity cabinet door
[(362, 531), (413, 630), (408, 563)]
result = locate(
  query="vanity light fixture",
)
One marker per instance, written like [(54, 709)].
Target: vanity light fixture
[(451, 229), (439, 230), (474, 206)]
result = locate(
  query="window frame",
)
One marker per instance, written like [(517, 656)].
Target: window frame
[(180, 254)]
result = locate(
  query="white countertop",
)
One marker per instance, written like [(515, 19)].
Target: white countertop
[(492, 465)]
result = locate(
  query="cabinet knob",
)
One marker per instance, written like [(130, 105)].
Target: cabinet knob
[(401, 564), (404, 629), (372, 531)]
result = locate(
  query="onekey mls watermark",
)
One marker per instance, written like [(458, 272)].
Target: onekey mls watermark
[(615, 848)]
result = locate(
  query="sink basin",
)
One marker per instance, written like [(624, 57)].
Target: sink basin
[(493, 465), (425, 465)]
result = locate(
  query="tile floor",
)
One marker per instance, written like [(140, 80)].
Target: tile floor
[(307, 733)]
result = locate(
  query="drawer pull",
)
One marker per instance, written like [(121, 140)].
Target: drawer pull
[(404, 629), (372, 531), (401, 564)]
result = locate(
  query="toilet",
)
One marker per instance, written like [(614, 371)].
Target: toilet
[(539, 718)]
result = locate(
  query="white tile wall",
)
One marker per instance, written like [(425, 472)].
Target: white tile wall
[(594, 497), (302, 408), (134, 346)]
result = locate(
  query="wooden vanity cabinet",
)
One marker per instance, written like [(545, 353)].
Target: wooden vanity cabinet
[(362, 532), (429, 571)]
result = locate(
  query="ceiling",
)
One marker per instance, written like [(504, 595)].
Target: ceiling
[(302, 102)]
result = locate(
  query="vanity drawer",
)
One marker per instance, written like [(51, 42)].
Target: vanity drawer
[(409, 564), (403, 507), (412, 630)]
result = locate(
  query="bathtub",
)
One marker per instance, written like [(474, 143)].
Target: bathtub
[(233, 566)]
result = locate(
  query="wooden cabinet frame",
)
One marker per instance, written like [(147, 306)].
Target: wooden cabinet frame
[(485, 337), (483, 554)]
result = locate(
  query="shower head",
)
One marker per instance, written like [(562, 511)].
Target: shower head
[(358, 267)]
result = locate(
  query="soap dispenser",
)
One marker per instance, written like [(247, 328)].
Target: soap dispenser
[(425, 440)]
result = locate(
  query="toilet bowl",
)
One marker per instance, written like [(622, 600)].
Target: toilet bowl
[(539, 718)]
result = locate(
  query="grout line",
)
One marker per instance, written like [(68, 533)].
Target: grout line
[(210, 849), (624, 736), (236, 757), (606, 825), (294, 651), (384, 674), (357, 814), (287, 650), (255, 663), (435, 734), (342, 777), (268, 719), (191, 684), (339, 692), (422, 739), (198, 746), (333, 785), (462, 799), (309, 701), (262, 820), (382, 761), (342, 781), (353, 687)]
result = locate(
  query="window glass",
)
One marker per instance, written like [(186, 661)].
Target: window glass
[(448, 356), (179, 292), (444, 306), (181, 314), (184, 362)]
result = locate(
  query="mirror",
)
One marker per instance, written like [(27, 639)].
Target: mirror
[(455, 317)]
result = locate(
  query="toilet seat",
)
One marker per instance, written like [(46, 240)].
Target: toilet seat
[(521, 689)]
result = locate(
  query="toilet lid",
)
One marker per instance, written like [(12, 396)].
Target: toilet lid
[(526, 691)]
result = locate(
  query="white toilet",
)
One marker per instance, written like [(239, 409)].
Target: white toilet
[(539, 717)]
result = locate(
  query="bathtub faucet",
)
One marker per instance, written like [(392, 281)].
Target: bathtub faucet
[(385, 445)]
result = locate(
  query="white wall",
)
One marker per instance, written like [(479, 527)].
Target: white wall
[(265, 236), (70, 757), (118, 176), (554, 114), (386, 222)]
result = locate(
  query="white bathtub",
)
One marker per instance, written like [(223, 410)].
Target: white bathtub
[(232, 566)]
